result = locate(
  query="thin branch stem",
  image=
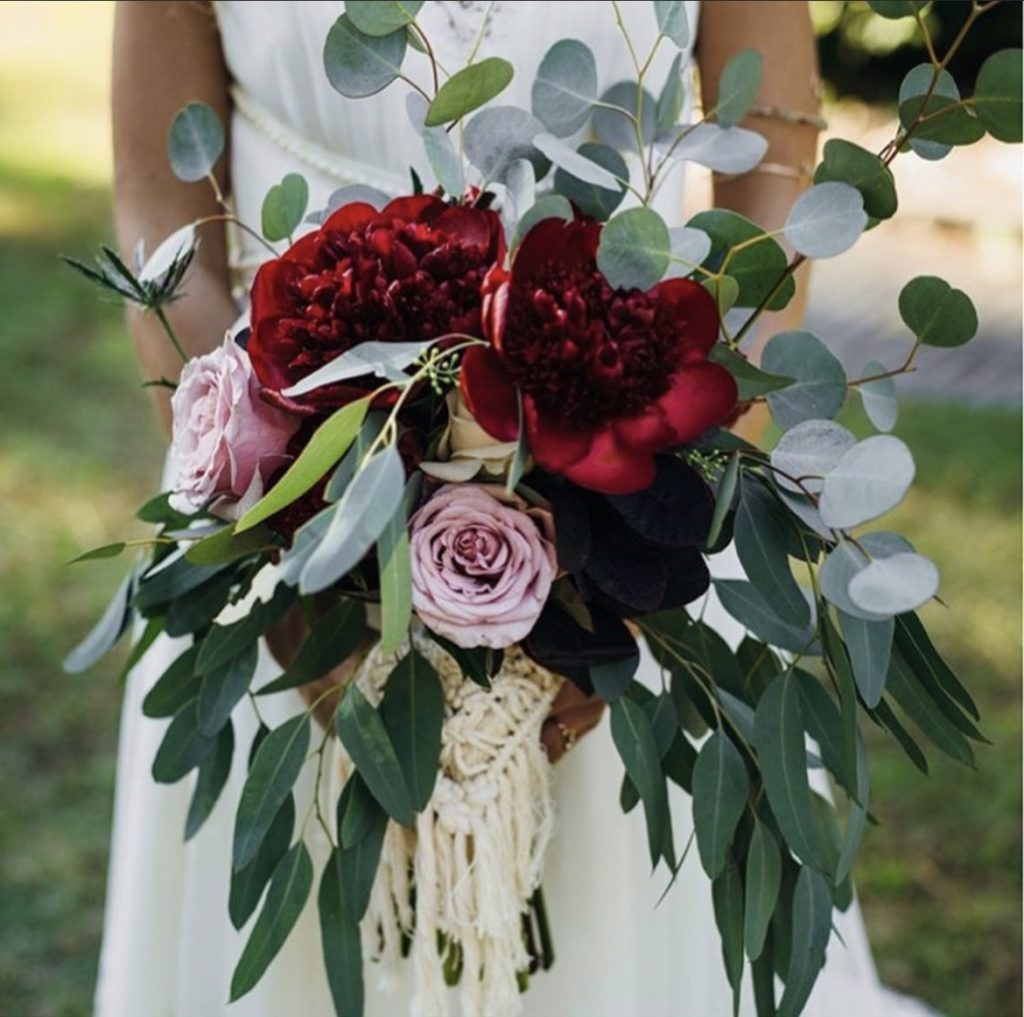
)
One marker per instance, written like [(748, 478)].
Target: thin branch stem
[(175, 342), (430, 55)]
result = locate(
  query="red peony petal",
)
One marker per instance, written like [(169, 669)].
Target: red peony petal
[(571, 245), (489, 394), (650, 431), (411, 208), (494, 307), (611, 466), (552, 445), (348, 218), (702, 395), (694, 309)]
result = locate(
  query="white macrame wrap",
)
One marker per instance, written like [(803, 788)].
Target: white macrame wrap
[(476, 855)]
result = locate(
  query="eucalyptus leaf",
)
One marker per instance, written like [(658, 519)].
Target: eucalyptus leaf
[(720, 789), (413, 713), (551, 206), (520, 191), (779, 739), (382, 17), (730, 150), (366, 740), (746, 604), (806, 453), (936, 313), (634, 249), (274, 770), (917, 82), (359, 518), (358, 64), (869, 480), (826, 220), (382, 359), (849, 558), (820, 387), (879, 397), (500, 135), (183, 748), (941, 118), (106, 633), (811, 924), (848, 163), (329, 443), (690, 249), (289, 890), (576, 165), (738, 86), (671, 98), (751, 381), (672, 21), (594, 200), (762, 531), (894, 585), (761, 888), (617, 130), (195, 142), (284, 206), (565, 88), (634, 740), (349, 195), (214, 771), (469, 89), (997, 95)]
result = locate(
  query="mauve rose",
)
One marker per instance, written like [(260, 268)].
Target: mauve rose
[(482, 565), (226, 440)]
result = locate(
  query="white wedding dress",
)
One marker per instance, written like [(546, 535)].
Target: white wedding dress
[(169, 948)]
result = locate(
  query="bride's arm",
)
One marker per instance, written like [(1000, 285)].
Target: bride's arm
[(166, 55)]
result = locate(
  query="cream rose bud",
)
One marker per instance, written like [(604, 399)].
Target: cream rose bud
[(482, 564), (466, 448), (226, 441)]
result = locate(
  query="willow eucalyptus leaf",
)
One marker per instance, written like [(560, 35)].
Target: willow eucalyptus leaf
[(869, 480), (811, 925), (761, 888), (381, 359), (819, 390), (826, 220), (720, 789), (183, 748), (222, 690), (213, 774), (106, 633), (746, 604), (565, 89), (870, 646), (357, 64), (341, 942)]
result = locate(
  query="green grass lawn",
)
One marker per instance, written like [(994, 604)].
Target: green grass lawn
[(940, 876)]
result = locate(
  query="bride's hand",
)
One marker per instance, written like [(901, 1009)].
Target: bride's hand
[(573, 713)]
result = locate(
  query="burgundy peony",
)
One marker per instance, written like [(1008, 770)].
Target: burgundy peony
[(608, 377), (412, 271)]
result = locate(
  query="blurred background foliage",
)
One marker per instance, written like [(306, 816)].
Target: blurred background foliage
[(940, 876)]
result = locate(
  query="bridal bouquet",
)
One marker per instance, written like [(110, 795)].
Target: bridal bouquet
[(480, 433)]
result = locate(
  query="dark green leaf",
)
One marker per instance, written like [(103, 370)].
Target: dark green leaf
[(175, 687), (195, 142), (284, 206), (247, 883), (335, 636), (223, 688), (825, 726), (724, 496), (183, 747), (214, 771), (923, 659), (289, 890), (224, 643), (341, 942), (720, 788), (849, 163), (762, 532), (158, 511), (811, 925), (611, 678), (329, 443), (941, 118), (170, 580), (634, 740), (413, 713), (997, 95), (886, 717), (274, 771), (727, 895), (358, 64), (358, 812), (936, 313), (469, 89), (99, 553), (857, 818), (192, 614), (154, 628), (779, 739), (366, 740), (764, 873), (358, 866), (226, 546), (742, 600)]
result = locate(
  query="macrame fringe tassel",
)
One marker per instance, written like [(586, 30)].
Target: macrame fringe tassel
[(476, 856)]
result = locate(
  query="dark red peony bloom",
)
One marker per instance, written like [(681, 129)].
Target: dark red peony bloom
[(412, 271), (608, 377)]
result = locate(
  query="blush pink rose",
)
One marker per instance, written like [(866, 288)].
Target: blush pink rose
[(226, 441), (482, 565)]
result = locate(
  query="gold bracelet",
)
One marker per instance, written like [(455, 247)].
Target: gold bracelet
[(789, 116)]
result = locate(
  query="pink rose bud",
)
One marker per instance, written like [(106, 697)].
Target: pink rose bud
[(482, 565), (226, 441)]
